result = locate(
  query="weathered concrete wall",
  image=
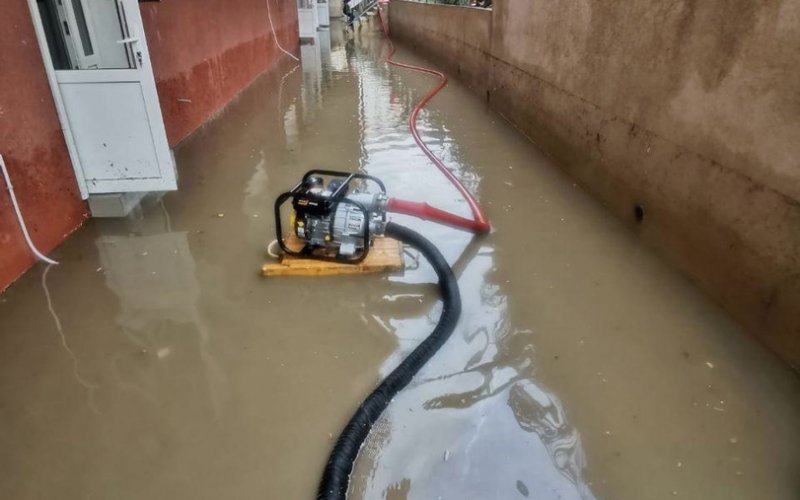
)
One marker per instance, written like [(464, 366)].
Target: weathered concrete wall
[(33, 147), (204, 56), (686, 114)]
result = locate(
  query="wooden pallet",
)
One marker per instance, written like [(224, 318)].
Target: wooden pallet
[(385, 255)]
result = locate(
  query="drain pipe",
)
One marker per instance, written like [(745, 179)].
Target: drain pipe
[(20, 219)]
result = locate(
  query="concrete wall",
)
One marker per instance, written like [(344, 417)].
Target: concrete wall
[(685, 113), (207, 53), (33, 147)]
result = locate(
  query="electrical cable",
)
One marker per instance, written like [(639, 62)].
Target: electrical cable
[(275, 35), (20, 219), (272, 253)]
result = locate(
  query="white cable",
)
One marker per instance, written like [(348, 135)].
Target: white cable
[(275, 35), (270, 252), (21, 221)]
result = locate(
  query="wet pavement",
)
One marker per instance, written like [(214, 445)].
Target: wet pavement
[(156, 363)]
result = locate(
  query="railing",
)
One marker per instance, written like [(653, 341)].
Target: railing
[(461, 3), (360, 7)]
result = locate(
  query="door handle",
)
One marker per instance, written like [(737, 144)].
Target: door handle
[(130, 41)]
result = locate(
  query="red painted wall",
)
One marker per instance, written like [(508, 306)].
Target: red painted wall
[(33, 147), (204, 53)]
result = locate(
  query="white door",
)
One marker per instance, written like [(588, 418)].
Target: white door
[(307, 18), (323, 13), (315, 13), (104, 83)]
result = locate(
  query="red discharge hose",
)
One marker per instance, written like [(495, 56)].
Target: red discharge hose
[(479, 223), (427, 212)]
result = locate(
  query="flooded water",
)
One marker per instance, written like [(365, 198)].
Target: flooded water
[(156, 363)]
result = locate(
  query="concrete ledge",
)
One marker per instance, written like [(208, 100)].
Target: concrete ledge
[(736, 237), (114, 204)]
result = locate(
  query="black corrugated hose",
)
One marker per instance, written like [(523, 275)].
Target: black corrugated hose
[(336, 477)]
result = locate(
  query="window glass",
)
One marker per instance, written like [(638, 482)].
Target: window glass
[(80, 18), (90, 39)]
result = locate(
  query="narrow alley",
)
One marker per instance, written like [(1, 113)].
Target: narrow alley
[(155, 362)]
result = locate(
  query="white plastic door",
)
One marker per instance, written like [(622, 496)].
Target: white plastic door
[(110, 100), (323, 13), (315, 14), (307, 18)]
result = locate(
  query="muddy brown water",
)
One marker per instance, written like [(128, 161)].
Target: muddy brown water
[(155, 363)]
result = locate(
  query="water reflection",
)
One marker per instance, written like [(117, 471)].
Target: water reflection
[(91, 387), (541, 412), (151, 271), (471, 416), (491, 430)]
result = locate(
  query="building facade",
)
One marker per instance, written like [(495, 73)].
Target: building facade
[(95, 93)]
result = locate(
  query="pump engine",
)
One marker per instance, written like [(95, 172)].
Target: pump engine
[(336, 215)]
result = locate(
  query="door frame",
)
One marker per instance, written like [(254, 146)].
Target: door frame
[(308, 18), (61, 111), (142, 73), (84, 61)]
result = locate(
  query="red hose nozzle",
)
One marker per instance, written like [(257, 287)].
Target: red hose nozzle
[(427, 212)]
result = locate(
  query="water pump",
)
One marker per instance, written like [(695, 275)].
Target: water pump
[(336, 215)]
